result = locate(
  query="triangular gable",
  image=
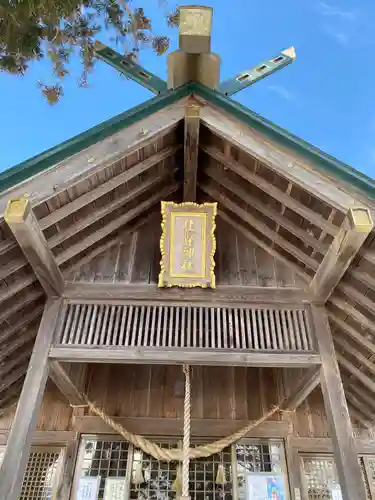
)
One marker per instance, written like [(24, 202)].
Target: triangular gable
[(316, 158)]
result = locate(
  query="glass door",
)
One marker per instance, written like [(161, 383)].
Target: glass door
[(249, 470)]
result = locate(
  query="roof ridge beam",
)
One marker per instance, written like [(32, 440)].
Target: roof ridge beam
[(24, 225), (354, 231)]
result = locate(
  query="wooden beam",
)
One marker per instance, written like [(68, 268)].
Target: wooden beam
[(355, 353), (349, 330), (107, 187), (359, 405), (258, 225), (223, 294), (349, 471), (169, 356), (117, 223), (25, 420), (191, 148), (65, 384), (264, 185), (324, 445), (25, 228), (96, 158), (357, 226), (219, 176), (94, 237), (348, 308), (174, 427), (264, 245), (98, 213), (43, 438), (360, 418), (353, 370), (308, 383), (365, 395), (282, 161)]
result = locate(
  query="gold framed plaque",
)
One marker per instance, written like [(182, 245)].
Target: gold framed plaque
[(188, 245)]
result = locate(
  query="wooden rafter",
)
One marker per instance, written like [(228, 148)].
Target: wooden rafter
[(347, 347), (359, 405), (25, 228), (262, 244), (280, 160), (294, 205), (360, 417), (349, 309), (100, 213), (265, 210), (260, 226), (352, 333), (353, 370), (93, 238), (89, 162), (191, 148), (354, 232), (362, 393)]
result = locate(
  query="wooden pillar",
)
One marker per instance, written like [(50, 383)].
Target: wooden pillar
[(348, 468), (66, 481), (27, 413)]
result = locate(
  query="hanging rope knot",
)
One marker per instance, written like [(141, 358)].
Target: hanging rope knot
[(187, 453)]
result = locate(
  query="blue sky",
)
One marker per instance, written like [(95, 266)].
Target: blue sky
[(326, 96)]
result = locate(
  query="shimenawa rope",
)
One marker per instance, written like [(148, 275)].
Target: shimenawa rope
[(177, 454), (186, 440)]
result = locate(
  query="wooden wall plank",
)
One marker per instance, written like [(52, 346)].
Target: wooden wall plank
[(137, 260), (227, 393)]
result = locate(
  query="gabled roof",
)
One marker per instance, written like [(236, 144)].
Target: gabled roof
[(109, 179), (318, 159)]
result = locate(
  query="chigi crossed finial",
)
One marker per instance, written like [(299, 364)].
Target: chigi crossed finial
[(194, 60)]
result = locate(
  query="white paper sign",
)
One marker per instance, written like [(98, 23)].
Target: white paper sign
[(257, 487), (336, 493), (115, 488), (88, 488)]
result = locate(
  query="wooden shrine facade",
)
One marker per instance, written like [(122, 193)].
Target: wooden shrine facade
[(291, 318)]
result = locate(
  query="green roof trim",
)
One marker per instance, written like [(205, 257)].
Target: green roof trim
[(55, 155), (317, 158)]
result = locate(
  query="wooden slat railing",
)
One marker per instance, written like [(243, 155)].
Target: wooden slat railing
[(254, 328)]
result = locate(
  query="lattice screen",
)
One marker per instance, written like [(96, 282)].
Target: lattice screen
[(150, 479), (41, 473), (320, 476)]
